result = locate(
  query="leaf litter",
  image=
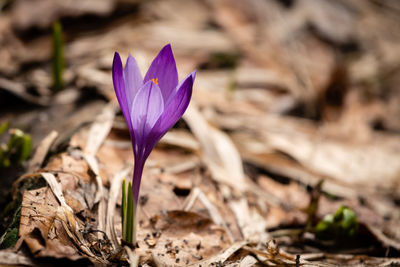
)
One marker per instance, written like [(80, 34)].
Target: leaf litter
[(288, 93)]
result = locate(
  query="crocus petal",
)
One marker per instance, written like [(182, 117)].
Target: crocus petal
[(177, 88), (163, 69), (120, 91), (132, 78), (147, 107), (177, 104), (173, 111)]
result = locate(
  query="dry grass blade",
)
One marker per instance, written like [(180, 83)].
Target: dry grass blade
[(112, 201), (251, 223), (97, 134), (100, 129), (41, 152), (57, 190), (219, 153)]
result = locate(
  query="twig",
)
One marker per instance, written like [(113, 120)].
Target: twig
[(97, 134), (213, 211), (41, 152)]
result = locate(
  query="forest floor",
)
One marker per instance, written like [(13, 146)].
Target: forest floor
[(288, 155)]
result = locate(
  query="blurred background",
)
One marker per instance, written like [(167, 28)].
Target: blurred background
[(307, 90), (332, 62)]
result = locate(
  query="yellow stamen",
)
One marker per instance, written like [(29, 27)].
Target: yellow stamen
[(155, 80)]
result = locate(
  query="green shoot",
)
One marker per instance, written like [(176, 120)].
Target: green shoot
[(129, 219), (313, 206), (128, 214), (4, 126), (58, 57), (20, 144), (18, 148), (341, 225), (123, 209)]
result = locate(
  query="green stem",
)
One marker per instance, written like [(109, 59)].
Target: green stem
[(58, 56), (123, 210), (128, 214), (134, 222)]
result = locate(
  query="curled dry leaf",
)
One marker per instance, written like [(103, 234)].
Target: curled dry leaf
[(49, 225), (42, 227)]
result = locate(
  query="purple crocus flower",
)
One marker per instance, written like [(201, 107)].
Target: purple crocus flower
[(151, 106)]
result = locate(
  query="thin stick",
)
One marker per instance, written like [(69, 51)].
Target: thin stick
[(212, 210)]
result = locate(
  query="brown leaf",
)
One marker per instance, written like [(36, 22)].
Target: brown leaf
[(186, 238), (40, 227)]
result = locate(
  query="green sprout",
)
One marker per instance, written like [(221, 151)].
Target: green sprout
[(58, 56), (4, 126), (17, 149), (127, 214), (223, 60), (341, 225)]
